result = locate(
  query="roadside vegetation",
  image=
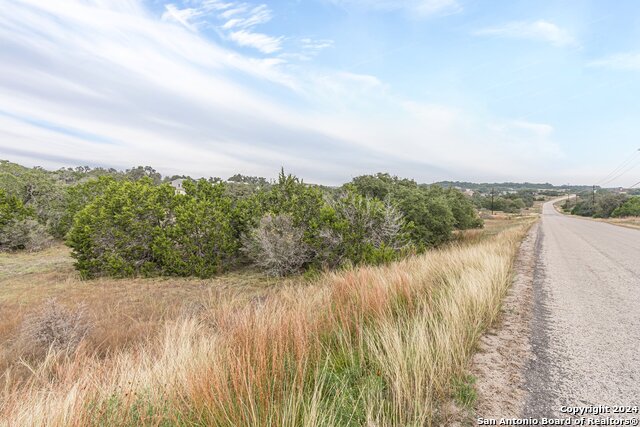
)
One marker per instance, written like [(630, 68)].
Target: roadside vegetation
[(377, 345), (127, 224), (243, 302), (604, 204)]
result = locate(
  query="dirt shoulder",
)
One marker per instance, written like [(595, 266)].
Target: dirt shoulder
[(504, 351)]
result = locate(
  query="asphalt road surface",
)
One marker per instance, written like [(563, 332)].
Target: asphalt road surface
[(586, 320)]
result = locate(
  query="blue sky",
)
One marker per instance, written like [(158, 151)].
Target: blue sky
[(329, 89)]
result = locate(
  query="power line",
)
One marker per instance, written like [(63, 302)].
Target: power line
[(621, 169), (630, 167)]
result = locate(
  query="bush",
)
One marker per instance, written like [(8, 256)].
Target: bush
[(18, 229), (200, 241), (139, 228), (431, 212), (25, 234), (12, 208), (115, 234), (302, 202), (78, 196), (277, 245), (430, 216), (605, 204), (464, 213), (301, 228), (43, 195), (361, 229), (629, 208), (55, 327)]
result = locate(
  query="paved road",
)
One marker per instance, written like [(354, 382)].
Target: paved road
[(586, 322)]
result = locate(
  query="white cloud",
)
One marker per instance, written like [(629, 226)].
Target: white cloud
[(98, 83), (619, 61), (235, 20), (422, 8), (258, 15), (537, 30), (262, 42), (194, 17)]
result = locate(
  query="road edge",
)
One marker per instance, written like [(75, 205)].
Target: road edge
[(504, 351)]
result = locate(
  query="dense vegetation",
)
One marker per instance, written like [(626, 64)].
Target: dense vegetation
[(134, 223), (514, 186), (509, 202), (604, 204)]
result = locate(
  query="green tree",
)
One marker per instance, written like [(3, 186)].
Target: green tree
[(427, 209), (629, 208), (463, 210), (115, 234), (607, 203), (141, 172), (78, 196), (200, 241), (138, 228)]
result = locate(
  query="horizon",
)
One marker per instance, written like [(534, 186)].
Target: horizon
[(274, 178), (435, 90)]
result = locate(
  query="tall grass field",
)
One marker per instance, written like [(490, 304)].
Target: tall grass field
[(370, 346)]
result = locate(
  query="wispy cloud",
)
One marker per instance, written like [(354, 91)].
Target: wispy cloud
[(262, 42), (165, 95), (233, 19), (196, 16), (421, 8), (540, 30), (237, 22), (619, 61), (256, 16)]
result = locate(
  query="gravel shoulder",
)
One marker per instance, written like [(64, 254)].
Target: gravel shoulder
[(504, 351)]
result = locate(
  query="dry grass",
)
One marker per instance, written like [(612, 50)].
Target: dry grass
[(377, 346), (629, 222), (123, 313)]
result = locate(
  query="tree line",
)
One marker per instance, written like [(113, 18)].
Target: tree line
[(134, 223), (604, 204)]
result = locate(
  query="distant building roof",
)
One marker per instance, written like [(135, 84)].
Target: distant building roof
[(177, 184)]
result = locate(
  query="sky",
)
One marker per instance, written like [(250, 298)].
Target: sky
[(472, 90)]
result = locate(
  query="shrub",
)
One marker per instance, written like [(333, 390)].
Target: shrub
[(18, 229), (629, 208), (303, 203), (78, 196), (54, 326), (277, 245), (464, 213), (25, 234), (583, 208), (430, 211), (139, 228), (430, 216), (115, 234), (200, 240), (607, 203), (360, 229), (11, 208)]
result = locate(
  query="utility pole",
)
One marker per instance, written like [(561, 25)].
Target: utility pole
[(593, 196)]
